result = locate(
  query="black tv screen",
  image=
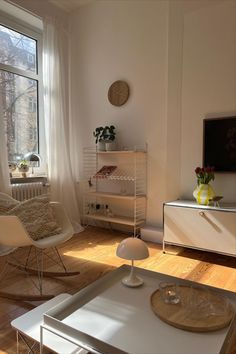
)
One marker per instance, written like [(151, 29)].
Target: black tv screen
[(219, 143)]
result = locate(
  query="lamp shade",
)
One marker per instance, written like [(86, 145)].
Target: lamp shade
[(132, 248), (32, 157)]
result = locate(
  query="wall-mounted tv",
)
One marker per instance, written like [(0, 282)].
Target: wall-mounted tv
[(219, 143)]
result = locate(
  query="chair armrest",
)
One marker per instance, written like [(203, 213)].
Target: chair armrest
[(12, 232)]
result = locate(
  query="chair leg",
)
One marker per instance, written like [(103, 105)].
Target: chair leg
[(4, 270), (22, 297), (38, 271), (28, 256), (65, 272), (28, 345), (60, 259), (39, 260)]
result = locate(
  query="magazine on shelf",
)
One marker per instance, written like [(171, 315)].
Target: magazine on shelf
[(105, 171)]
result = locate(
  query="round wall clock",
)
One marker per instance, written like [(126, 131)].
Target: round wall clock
[(118, 93)]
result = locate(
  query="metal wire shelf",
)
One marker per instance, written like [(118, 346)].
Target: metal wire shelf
[(116, 180)]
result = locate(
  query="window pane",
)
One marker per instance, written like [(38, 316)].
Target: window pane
[(19, 100), (17, 50)]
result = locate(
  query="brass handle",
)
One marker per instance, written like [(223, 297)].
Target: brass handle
[(212, 223)]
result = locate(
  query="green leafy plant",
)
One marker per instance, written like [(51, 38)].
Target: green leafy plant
[(98, 134), (204, 175), (23, 165), (105, 134), (108, 133)]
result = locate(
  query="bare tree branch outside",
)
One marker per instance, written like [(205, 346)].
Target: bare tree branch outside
[(19, 93)]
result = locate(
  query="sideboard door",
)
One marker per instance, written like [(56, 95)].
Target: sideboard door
[(211, 230)]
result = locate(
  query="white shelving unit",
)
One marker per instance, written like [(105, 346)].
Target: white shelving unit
[(118, 197)]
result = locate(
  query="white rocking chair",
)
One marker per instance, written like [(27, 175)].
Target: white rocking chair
[(13, 234)]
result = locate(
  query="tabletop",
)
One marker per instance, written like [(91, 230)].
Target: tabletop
[(110, 318)]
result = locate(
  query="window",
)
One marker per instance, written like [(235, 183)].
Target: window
[(32, 104), (30, 58), (20, 88)]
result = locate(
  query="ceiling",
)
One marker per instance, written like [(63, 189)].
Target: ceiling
[(69, 5)]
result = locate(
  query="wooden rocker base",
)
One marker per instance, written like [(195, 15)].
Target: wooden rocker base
[(28, 297), (44, 273), (32, 271)]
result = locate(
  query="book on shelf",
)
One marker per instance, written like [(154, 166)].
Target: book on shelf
[(105, 171)]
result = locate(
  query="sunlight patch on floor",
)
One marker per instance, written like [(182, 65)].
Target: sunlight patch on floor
[(95, 253), (112, 260)]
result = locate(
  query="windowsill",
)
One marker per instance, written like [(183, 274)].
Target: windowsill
[(19, 179)]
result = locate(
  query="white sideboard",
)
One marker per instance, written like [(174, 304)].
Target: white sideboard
[(189, 224)]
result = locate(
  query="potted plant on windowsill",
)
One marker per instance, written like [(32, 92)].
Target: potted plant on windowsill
[(12, 167), (23, 167)]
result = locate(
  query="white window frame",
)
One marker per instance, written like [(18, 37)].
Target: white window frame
[(34, 33)]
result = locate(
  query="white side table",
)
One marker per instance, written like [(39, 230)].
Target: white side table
[(28, 326)]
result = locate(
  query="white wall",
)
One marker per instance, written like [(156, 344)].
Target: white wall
[(208, 87), (179, 58), (177, 11), (162, 50), (123, 40)]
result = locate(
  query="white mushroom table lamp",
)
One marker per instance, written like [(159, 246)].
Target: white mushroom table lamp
[(132, 248)]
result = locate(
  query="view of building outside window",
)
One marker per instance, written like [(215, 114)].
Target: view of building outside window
[(19, 92)]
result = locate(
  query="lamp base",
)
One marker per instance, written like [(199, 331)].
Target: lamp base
[(132, 281)]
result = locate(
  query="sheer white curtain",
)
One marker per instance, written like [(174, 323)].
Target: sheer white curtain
[(4, 171), (55, 76)]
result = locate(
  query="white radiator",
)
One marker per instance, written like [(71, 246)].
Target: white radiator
[(23, 191)]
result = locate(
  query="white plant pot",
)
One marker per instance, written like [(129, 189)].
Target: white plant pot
[(101, 146), (110, 146), (23, 171)]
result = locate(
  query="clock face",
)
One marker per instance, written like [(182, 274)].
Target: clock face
[(118, 93)]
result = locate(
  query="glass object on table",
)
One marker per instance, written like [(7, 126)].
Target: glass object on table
[(169, 292)]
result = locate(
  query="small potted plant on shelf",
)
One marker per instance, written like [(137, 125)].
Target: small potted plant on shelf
[(105, 137), (23, 167), (97, 134), (98, 138), (108, 136)]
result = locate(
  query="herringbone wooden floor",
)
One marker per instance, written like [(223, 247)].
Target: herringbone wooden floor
[(93, 253)]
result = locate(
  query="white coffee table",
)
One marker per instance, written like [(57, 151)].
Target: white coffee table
[(28, 326), (110, 318)]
